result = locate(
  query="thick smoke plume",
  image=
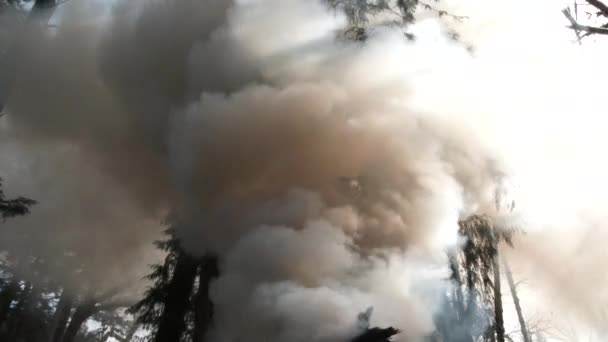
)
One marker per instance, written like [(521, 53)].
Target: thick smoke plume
[(328, 174)]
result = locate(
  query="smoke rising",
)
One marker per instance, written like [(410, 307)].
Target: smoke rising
[(328, 174)]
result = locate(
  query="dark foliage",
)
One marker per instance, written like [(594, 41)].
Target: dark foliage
[(474, 310), (480, 251), (14, 207), (149, 309), (377, 335), (399, 13), (176, 306)]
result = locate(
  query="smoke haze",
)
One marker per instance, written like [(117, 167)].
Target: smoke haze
[(328, 174)]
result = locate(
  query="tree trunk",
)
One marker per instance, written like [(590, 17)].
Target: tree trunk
[(499, 324), (60, 318), (520, 316), (26, 321), (203, 313), (6, 298), (106, 332), (82, 313), (131, 332), (16, 319), (172, 325)]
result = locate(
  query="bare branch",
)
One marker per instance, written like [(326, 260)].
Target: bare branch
[(590, 29), (600, 6), (566, 12), (442, 13), (573, 22), (582, 28), (521, 282)]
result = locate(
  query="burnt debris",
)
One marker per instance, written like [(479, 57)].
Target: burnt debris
[(377, 335)]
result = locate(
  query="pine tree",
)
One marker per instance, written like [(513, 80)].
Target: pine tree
[(149, 310), (203, 307), (479, 260), (176, 307), (364, 15), (14, 207)]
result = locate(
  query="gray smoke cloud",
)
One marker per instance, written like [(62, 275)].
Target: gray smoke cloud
[(328, 174)]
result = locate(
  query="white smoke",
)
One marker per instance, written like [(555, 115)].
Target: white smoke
[(246, 117)]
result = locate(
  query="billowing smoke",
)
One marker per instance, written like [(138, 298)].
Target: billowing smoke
[(328, 174)]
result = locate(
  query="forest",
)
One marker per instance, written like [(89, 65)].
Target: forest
[(314, 171)]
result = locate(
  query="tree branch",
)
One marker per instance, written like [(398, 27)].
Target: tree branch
[(600, 6), (584, 28), (442, 13), (590, 29)]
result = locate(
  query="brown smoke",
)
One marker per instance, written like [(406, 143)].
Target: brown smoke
[(305, 161)]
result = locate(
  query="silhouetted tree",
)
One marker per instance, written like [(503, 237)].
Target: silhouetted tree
[(172, 324), (14, 207), (113, 326), (479, 261), (376, 335), (61, 317), (203, 310), (91, 303), (365, 14), (176, 307), (150, 309)]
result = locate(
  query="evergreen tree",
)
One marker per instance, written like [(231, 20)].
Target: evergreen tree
[(149, 310), (14, 207), (176, 307), (478, 261), (364, 15)]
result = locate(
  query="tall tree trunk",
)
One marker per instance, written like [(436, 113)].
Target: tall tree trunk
[(7, 296), (60, 317), (26, 325), (172, 324), (499, 323), (106, 332), (203, 313), (83, 312), (520, 316), (131, 332), (17, 316), (471, 300)]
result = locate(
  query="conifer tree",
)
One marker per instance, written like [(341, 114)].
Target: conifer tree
[(14, 207)]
